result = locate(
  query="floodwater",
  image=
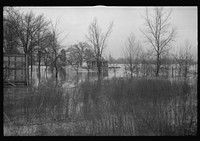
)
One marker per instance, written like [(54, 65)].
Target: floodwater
[(70, 78), (72, 106)]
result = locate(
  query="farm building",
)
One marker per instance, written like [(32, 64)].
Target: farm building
[(92, 63), (15, 67)]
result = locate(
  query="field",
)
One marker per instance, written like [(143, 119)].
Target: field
[(115, 106)]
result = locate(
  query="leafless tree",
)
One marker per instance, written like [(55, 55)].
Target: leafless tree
[(89, 53), (76, 54), (146, 62), (26, 28), (73, 57), (55, 51), (166, 64), (98, 40), (158, 33), (10, 38), (132, 53), (81, 49), (55, 47), (29, 29), (184, 59)]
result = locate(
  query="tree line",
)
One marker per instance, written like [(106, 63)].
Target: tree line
[(160, 36), (39, 39)]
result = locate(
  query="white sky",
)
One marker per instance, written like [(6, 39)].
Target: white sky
[(74, 21)]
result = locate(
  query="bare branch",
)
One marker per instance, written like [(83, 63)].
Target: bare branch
[(157, 32), (98, 39)]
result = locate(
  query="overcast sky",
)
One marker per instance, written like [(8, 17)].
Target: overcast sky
[(74, 22)]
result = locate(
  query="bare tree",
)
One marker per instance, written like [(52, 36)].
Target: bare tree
[(73, 58), (76, 53), (88, 55), (41, 49), (146, 61), (158, 33), (81, 48), (184, 59), (132, 53), (56, 56), (166, 64), (98, 40), (30, 28), (46, 50), (10, 39), (55, 46), (25, 29)]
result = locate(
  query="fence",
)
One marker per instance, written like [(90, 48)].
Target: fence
[(15, 68)]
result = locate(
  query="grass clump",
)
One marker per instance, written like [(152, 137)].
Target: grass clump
[(158, 107), (110, 107)]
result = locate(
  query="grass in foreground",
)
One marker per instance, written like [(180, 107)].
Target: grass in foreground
[(114, 107)]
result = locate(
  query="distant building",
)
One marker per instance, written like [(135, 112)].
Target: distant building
[(92, 63), (15, 68)]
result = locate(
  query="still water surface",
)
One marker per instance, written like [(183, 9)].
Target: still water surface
[(71, 78)]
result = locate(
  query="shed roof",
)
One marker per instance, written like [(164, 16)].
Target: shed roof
[(94, 59)]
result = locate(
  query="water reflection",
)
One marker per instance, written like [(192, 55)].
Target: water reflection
[(67, 76)]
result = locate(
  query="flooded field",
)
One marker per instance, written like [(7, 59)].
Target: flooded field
[(80, 105), (71, 78)]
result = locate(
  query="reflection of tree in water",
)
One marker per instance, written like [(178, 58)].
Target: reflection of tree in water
[(62, 74), (67, 76), (92, 75), (84, 101)]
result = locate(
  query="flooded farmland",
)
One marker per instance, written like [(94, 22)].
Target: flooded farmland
[(82, 106), (71, 78)]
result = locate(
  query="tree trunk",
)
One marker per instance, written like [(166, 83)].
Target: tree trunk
[(131, 69), (99, 66), (81, 62), (131, 73), (27, 68), (157, 65), (186, 72), (46, 66), (56, 66), (39, 65), (56, 71), (31, 67)]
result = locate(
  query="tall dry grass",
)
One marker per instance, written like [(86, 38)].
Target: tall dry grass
[(34, 104), (109, 107), (156, 106)]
